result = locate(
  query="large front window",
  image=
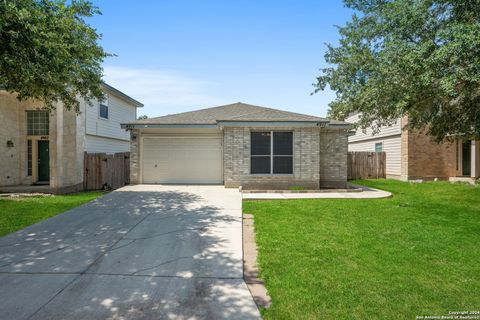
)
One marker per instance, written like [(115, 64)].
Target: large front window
[(271, 152), (37, 123)]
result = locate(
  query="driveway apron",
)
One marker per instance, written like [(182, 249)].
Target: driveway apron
[(141, 252)]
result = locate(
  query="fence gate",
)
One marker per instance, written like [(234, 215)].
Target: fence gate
[(366, 165), (111, 171)]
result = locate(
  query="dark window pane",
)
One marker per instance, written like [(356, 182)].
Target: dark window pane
[(29, 158), (37, 122), (260, 165), (260, 143), (104, 111), (283, 143), (282, 164)]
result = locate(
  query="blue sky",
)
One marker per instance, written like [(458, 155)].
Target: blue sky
[(177, 56)]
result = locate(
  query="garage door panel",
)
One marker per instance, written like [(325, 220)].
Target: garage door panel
[(182, 160)]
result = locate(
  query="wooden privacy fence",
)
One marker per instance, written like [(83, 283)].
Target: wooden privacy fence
[(366, 165), (106, 171)]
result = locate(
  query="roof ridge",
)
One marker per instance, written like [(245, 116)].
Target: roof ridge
[(290, 112)]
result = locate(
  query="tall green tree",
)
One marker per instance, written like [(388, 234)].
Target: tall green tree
[(48, 52), (419, 58)]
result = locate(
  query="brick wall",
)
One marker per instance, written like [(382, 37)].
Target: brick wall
[(306, 161), (428, 159), (422, 158), (333, 158), (319, 160), (134, 157)]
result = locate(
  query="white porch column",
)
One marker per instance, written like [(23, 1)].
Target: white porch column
[(473, 160)]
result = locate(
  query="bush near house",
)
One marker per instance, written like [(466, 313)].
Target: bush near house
[(414, 254)]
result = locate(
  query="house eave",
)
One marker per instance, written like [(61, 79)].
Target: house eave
[(122, 95), (220, 124), (129, 126), (339, 126), (272, 123)]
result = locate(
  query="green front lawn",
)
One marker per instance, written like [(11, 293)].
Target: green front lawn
[(417, 253), (18, 213)]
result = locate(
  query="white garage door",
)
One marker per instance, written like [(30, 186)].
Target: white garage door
[(183, 160)]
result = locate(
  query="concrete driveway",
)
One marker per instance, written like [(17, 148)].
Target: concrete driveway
[(141, 252)]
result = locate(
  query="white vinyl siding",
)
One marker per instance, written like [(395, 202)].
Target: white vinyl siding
[(95, 144), (119, 112), (385, 131), (391, 146)]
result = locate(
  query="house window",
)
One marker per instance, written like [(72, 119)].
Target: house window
[(103, 111), (271, 152), (29, 158), (37, 123), (379, 147)]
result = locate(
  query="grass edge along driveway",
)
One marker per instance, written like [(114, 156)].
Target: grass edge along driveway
[(415, 254), (18, 213)]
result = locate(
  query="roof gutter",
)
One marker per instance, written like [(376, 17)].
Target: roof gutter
[(272, 123), (129, 126), (252, 124), (339, 126)]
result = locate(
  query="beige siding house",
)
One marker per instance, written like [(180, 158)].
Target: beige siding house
[(240, 145), (413, 155), (38, 148)]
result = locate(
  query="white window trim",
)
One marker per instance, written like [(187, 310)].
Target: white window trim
[(271, 155), (99, 112)]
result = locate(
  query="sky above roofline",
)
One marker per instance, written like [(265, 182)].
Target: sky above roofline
[(177, 56)]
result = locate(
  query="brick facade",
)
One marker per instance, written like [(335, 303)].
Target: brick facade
[(134, 157), (319, 157), (423, 158), (333, 158), (306, 160), (319, 160), (428, 159)]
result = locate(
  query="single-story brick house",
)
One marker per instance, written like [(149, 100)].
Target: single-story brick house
[(240, 145)]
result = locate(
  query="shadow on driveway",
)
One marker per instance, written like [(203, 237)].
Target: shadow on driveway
[(142, 252)]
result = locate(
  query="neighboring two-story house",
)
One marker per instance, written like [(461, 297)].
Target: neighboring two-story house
[(413, 155), (42, 148)]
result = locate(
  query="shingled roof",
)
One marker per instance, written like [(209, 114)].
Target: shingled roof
[(236, 112)]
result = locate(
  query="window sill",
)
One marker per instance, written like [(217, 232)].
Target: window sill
[(272, 174)]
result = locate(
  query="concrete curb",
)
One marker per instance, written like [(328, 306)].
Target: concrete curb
[(365, 193), (251, 272)]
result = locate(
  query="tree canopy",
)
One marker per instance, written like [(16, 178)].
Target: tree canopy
[(419, 58), (49, 53)]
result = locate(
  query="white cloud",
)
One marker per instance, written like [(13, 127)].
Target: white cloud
[(161, 91)]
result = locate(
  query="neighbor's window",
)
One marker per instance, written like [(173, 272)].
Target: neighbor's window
[(271, 152), (37, 123), (379, 147), (103, 111), (29, 158)]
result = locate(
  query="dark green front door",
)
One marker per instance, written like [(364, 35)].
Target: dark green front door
[(466, 158), (43, 161)]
